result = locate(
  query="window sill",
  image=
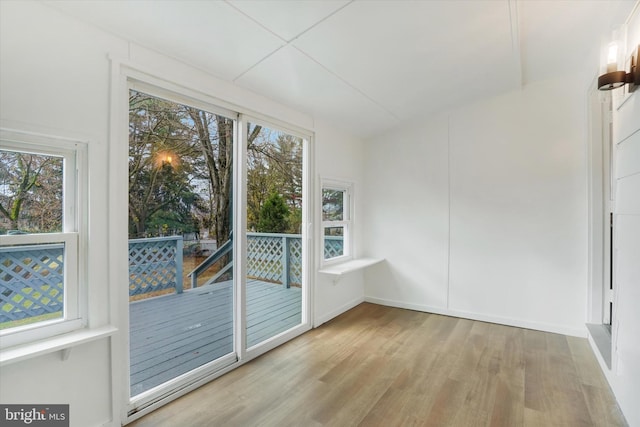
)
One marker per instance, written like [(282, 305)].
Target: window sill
[(64, 343), (338, 270)]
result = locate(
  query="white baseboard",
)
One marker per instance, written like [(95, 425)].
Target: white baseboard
[(337, 312), (539, 326)]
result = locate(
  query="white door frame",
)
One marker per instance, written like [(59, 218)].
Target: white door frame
[(122, 73), (601, 191)]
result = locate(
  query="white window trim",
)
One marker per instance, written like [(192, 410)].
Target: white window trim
[(74, 154), (347, 222)]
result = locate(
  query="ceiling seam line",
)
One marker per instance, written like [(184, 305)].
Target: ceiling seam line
[(321, 21), (258, 63), (254, 20), (287, 42), (276, 34), (347, 83)]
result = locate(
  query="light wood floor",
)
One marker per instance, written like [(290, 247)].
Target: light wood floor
[(381, 366)]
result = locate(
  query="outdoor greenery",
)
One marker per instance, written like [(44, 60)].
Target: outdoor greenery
[(181, 172), (180, 176), (332, 205), (274, 215), (180, 182), (30, 193)]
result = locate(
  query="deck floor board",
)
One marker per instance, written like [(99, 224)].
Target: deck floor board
[(173, 334)]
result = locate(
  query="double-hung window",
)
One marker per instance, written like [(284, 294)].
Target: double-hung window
[(336, 221), (40, 237)]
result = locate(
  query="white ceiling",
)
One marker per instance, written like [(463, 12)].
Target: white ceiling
[(366, 65)]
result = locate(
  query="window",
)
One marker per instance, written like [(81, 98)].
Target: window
[(39, 237), (336, 220)]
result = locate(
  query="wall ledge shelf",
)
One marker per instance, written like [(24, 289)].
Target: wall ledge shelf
[(63, 343), (336, 271)]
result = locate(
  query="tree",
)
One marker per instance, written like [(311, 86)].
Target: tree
[(161, 166), (217, 150), (215, 138), (274, 215), (202, 143), (287, 166), (168, 205), (275, 165), (31, 196), (198, 189), (260, 184)]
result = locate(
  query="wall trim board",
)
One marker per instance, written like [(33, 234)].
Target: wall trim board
[(319, 320), (538, 326), (608, 373), (604, 367)]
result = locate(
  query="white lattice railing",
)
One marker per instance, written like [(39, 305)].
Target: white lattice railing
[(269, 257), (155, 264), (333, 246), (31, 281), (278, 257)]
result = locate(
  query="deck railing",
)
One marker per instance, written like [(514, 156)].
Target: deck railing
[(333, 246), (278, 257), (32, 276), (155, 264), (275, 258), (224, 254), (271, 257), (31, 281)]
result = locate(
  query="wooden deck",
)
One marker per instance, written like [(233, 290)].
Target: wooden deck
[(173, 334)]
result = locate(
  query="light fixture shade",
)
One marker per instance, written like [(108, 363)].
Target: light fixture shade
[(612, 80), (612, 51), (613, 57), (615, 79)]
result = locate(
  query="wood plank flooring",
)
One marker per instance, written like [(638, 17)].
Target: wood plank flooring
[(382, 366)]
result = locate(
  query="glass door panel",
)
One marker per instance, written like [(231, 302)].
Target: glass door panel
[(181, 285), (275, 249)]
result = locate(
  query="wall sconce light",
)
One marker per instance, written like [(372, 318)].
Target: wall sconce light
[(613, 78)]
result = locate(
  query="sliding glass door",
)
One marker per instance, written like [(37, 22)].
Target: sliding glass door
[(275, 245), (217, 242), (181, 284)]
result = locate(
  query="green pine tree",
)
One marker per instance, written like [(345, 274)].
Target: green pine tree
[(274, 215)]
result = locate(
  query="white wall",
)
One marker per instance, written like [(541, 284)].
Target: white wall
[(406, 216), (83, 381), (624, 376), (55, 79), (480, 213), (338, 156)]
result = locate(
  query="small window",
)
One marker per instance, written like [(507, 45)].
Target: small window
[(336, 220), (39, 238)]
